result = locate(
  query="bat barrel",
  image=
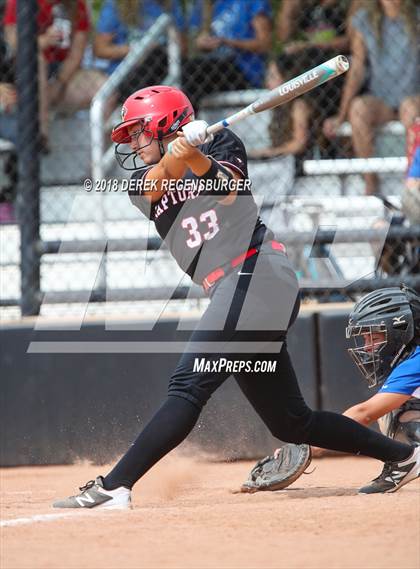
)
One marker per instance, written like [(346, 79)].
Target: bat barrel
[(302, 84), (288, 91)]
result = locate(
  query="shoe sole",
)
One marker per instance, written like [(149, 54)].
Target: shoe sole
[(104, 506), (101, 507), (114, 507)]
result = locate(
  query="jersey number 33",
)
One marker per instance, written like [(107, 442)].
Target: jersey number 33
[(203, 229)]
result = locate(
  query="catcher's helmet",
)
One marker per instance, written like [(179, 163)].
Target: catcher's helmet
[(159, 111), (393, 316)]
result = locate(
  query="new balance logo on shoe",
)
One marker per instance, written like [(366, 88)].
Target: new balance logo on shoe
[(94, 495), (84, 498), (395, 475)]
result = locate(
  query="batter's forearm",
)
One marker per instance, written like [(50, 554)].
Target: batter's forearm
[(169, 168), (199, 164), (173, 168)]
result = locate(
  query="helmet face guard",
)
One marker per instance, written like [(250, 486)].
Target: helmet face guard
[(368, 351), (126, 157), (383, 330)]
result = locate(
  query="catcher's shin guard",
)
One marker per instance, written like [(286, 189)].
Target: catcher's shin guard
[(403, 424)]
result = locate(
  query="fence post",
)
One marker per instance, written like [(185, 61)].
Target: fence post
[(28, 154)]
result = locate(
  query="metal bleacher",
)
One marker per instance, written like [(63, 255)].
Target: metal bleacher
[(5, 146)]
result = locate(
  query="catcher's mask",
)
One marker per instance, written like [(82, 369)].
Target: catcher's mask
[(159, 111), (384, 326)]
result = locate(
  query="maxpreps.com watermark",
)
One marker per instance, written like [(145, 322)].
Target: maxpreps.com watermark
[(190, 185), (203, 365)]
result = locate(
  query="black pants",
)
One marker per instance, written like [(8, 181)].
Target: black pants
[(8, 191), (246, 321), (203, 76), (152, 71)]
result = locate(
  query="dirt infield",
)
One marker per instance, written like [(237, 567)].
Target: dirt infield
[(187, 515)]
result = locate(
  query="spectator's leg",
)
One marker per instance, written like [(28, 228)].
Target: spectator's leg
[(410, 110), (81, 89), (366, 113)]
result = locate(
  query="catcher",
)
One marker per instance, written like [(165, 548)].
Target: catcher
[(385, 326)]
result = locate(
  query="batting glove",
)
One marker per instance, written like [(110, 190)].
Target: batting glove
[(195, 133)]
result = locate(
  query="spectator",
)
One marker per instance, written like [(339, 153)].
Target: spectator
[(228, 53), (7, 132), (411, 191), (402, 258), (120, 23), (411, 209), (384, 37), (63, 35), (314, 30), (291, 128), (7, 94)]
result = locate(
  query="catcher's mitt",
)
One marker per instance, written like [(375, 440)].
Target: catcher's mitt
[(278, 471)]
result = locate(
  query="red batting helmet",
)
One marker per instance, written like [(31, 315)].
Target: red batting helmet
[(161, 110)]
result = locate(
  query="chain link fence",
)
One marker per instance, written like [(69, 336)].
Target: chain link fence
[(329, 169)]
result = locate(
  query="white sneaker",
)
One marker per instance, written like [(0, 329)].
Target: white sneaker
[(94, 495), (395, 474)]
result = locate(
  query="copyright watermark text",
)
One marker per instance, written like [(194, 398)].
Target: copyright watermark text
[(194, 185)]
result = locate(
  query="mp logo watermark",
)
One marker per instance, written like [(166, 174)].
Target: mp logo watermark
[(278, 294)]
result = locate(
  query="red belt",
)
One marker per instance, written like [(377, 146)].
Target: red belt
[(212, 278)]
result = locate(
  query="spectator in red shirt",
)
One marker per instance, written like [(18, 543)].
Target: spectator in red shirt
[(63, 28)]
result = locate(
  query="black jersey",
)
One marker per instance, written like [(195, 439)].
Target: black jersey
[(200, 232)]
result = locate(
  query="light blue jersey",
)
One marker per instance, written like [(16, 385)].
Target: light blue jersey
[(405, 378), (394, 61), (110, 22)]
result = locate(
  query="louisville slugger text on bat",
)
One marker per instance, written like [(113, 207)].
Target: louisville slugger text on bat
[(288, 91)]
